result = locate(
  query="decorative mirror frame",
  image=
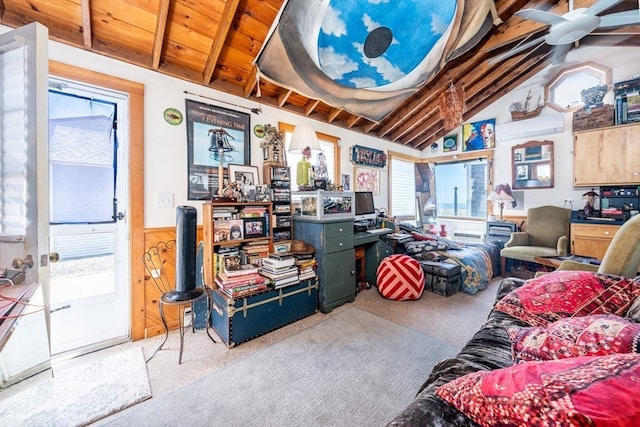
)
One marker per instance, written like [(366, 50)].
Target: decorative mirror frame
[(564, 78), (532, 165)]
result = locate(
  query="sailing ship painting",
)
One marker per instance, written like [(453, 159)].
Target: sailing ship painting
[(520, 111)]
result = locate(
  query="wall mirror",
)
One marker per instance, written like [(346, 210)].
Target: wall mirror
[(532, 165)]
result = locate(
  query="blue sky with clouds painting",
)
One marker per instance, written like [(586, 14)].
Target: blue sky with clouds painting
[(416, 26)]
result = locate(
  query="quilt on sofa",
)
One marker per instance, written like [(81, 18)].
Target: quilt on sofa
[(578, 369)]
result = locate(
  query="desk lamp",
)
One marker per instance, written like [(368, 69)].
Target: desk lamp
[(304, 140), (501, 196)]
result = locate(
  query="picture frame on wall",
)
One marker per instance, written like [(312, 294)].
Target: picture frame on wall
[(203, 156), (479, 135), (366, 179)]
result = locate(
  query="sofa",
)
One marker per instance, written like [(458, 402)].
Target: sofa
[(492, 351)]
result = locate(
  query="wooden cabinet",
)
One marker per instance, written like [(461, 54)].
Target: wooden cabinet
[(607, 156), (216, 226), (592, 240), (335, 255)]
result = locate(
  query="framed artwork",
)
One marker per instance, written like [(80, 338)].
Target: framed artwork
[(346, 182), (479, 135), (254, 227), (450, 143), (203, 155), (522, 172), (367, 179), (244, 175)]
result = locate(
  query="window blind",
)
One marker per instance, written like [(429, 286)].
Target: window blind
[(403, 198)]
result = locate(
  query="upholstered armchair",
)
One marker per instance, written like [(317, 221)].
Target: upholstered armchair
[(623, 254), (547, 234)]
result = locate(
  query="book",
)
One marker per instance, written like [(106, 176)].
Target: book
[(240, 270), (276, 276), (277, 263), (285, 282)]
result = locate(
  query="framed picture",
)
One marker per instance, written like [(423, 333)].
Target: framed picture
[(479, 135), (203, 155), (254, 227), (450, 143), (244, 175), (346, 182), (522, 172), (367, 179)]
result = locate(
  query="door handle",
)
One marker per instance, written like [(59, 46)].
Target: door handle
[(23, 264)]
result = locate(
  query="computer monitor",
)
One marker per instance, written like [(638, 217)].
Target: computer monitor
[(364, 206)]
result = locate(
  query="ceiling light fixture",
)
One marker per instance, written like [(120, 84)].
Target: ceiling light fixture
[(452, 107)]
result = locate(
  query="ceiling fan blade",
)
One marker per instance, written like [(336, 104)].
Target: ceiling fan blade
[(600, 5), (560, 53), (540, 16), (520, 48), (629, 17)]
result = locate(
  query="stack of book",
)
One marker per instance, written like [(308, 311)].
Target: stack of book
[(253, 212), (254, 252), (280, 269), (306, 268), (239, 280)]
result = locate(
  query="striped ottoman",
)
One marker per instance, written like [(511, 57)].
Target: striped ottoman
[(400, 278)]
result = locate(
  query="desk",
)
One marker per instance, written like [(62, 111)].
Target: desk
[(552, 263), (370, 250)]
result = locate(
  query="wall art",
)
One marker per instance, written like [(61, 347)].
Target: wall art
[(479, 135), (205, 125)]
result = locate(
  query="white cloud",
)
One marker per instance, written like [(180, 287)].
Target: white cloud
[(386, 69), (438, 26), (332, 24), (378, 1), (336, 65), (363, 82)]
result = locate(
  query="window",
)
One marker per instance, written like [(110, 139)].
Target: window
[(403, 194), (564, 90), (461, 188), (330, 149)]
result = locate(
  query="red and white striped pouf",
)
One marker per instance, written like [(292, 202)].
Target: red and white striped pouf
[(400, 278)]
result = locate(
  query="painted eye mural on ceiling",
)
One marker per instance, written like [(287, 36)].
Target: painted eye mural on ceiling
[(366, 56)]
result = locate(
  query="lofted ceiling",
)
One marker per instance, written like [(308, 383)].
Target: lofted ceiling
[(214, 43)]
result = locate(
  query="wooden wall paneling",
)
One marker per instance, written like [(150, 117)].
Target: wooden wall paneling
[(152, 322)]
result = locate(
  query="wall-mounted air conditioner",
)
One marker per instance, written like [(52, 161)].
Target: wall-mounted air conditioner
[(468, 236), (522, 129)]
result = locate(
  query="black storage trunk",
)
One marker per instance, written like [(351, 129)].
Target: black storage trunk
[(242, 319), (442, 278)]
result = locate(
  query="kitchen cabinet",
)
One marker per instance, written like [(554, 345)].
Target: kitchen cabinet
[(591, 240), (607, 156)]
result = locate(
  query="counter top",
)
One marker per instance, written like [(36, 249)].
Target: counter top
[(596, 221)]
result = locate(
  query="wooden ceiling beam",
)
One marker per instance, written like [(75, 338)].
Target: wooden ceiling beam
[(85, 10), (283, 96), (333, 114), (251, 81), (310, 106), (351, 121), (161, 29), (230, 8)]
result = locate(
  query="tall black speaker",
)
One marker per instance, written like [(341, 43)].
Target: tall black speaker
[(186, 223)]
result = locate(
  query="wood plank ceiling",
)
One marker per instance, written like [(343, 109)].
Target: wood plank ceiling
[(214, 43)]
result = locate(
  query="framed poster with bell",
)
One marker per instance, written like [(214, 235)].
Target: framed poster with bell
[(216, 137)]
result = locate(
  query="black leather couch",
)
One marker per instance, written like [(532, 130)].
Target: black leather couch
[(489, 349)]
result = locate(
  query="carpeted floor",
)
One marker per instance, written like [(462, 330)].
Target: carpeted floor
[(79, 396), (452, 320), (354, 369)]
